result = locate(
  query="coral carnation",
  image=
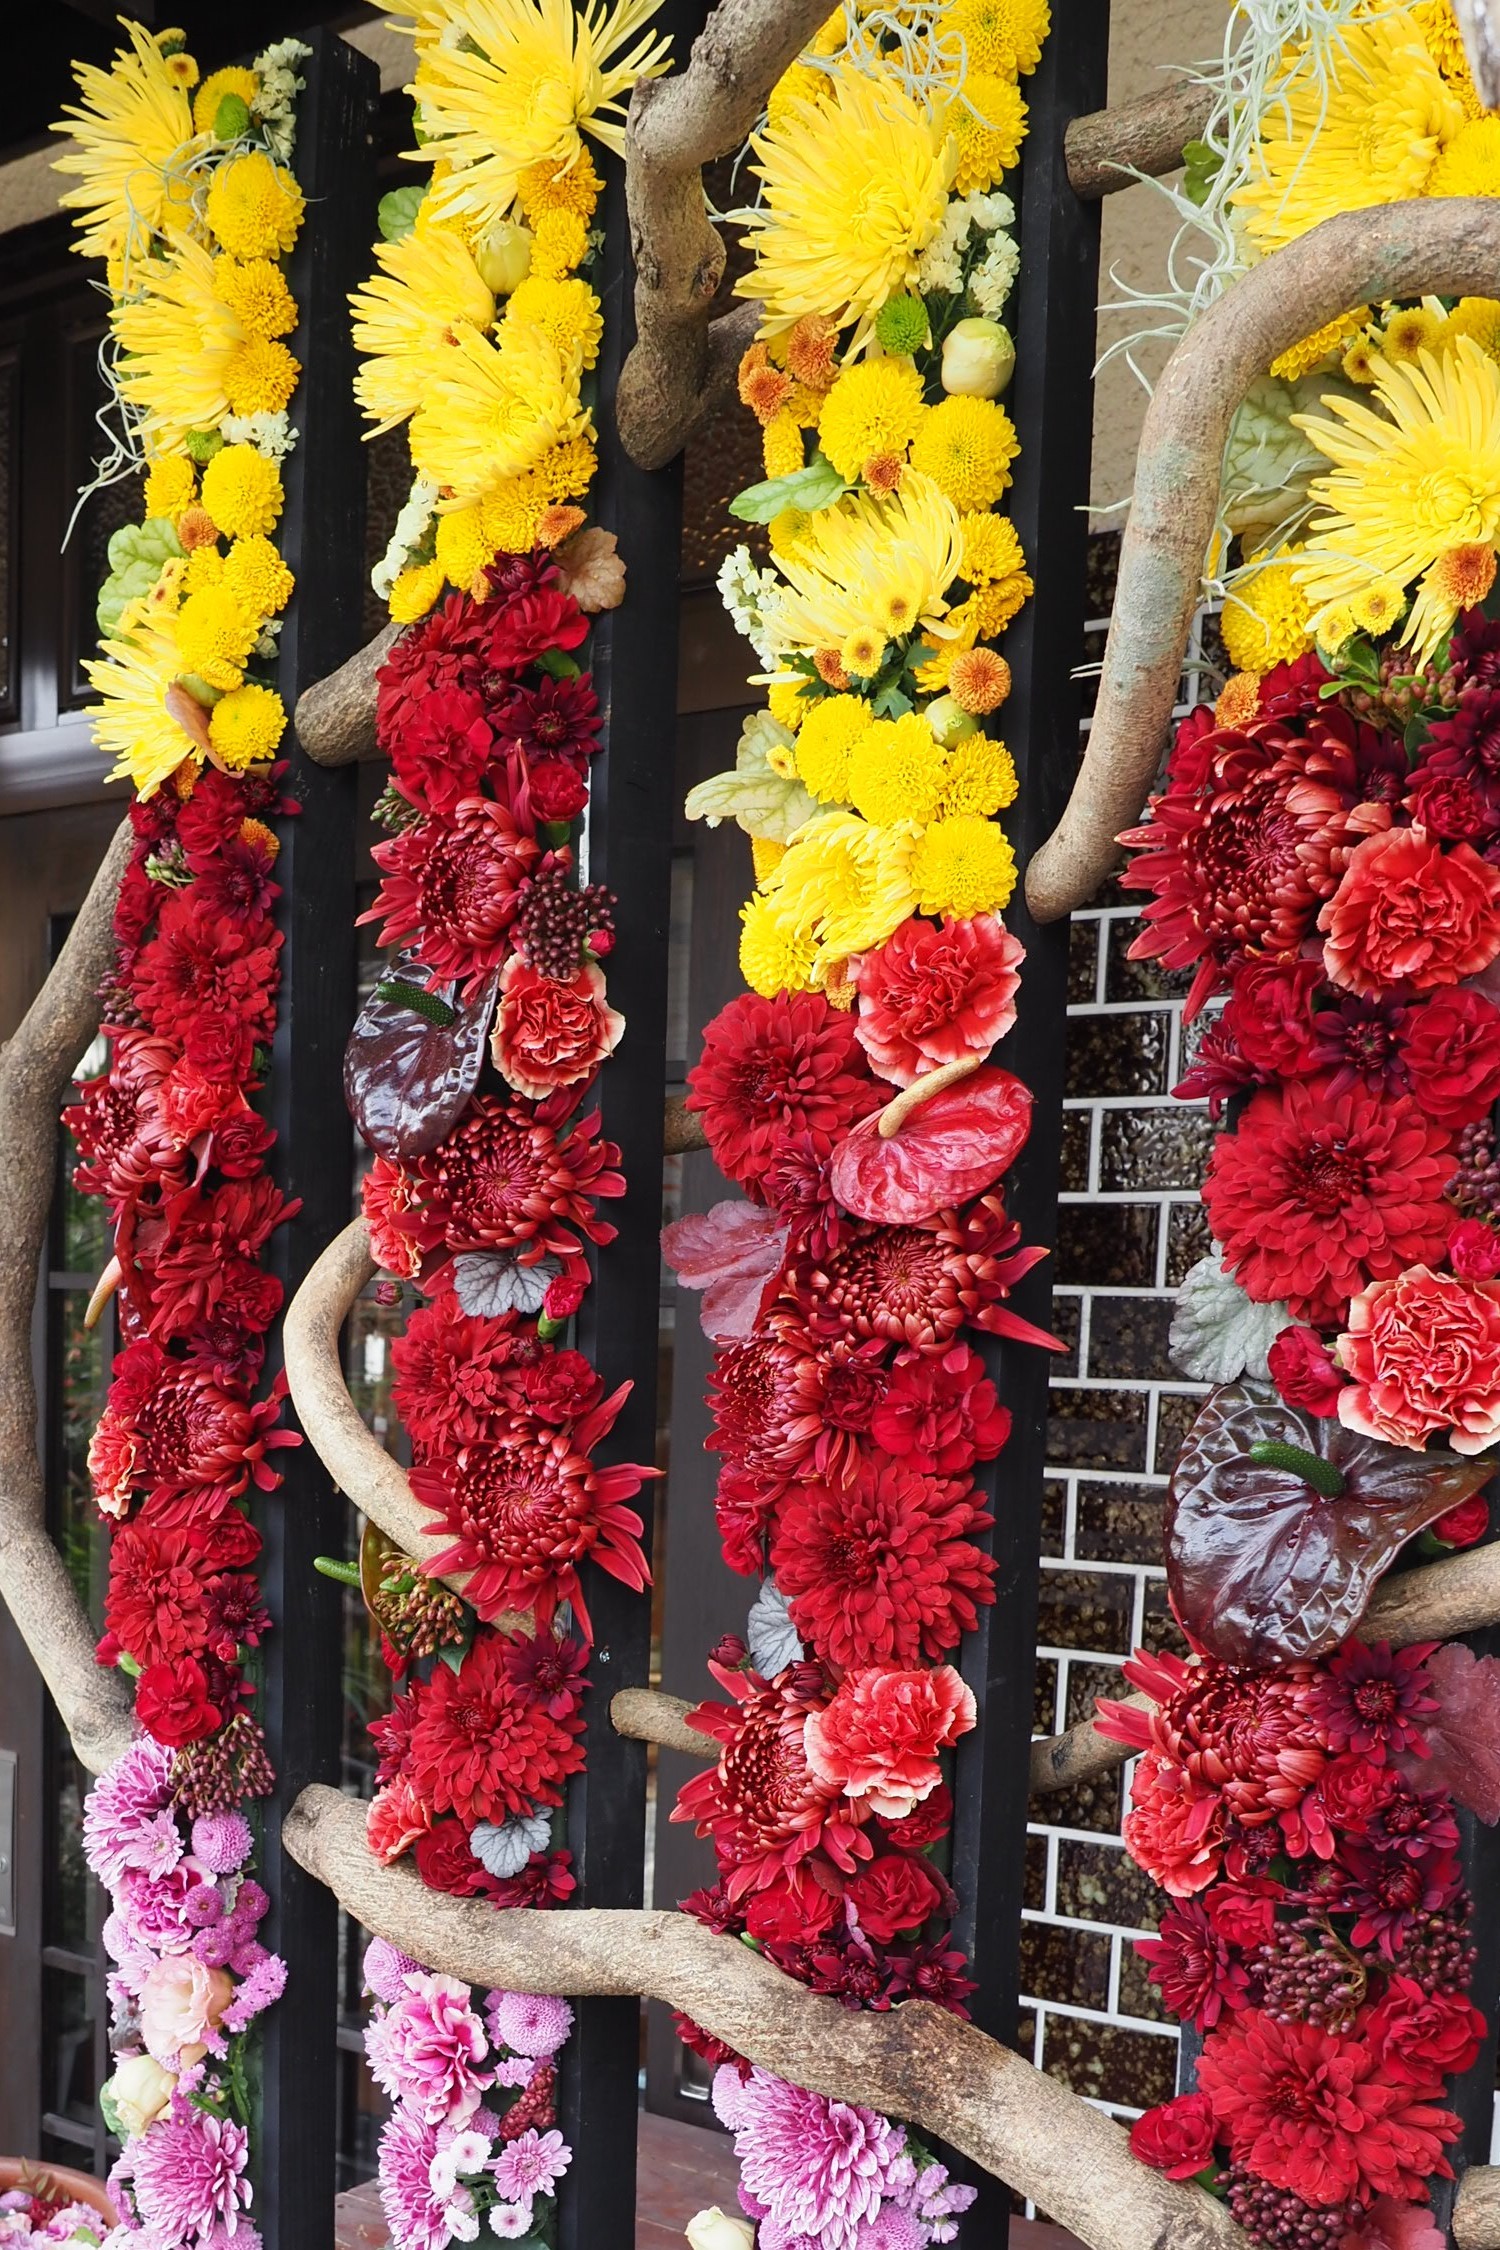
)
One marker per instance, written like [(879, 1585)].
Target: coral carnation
[(933, 993), (551, 1032), (1424, 1354), (1407, 912), (878, 1741)]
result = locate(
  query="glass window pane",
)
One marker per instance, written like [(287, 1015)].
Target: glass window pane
[(68, 2088)]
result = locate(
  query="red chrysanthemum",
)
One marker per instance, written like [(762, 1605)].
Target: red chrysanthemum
[(1193, 1966), (504, 1180), (170, 1427), (1314, 2111), (155, 1604), (743, 1506), (124, 1144), (454, 1376), (771, 1069), (912, 1285), (934, 992), (451, 889), (550, 718), (1374, 1700), (481, 1746), (825, 1407), (883, 1567), (1316, 1194), (205, 1257), (202, 964), (747, 1386), (445, 651), (523, 1516)]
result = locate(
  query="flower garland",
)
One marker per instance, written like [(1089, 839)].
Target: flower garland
[(849, 1409), (480, 331), (1324, 854), (184, 189)]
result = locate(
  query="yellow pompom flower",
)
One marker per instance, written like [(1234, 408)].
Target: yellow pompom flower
[(215, 637), (1376, 609), (765, 854), (260, 376), (785, 529), (416, 589), (874, 407), (256, 293), (1411, 331), (781, 445), (461, 546), (511, 513), (991, 549), (787, 704), (133, 677), (1470, 163), (233, 80), (989, 609), (246, 725), (133, 156), (963, 867), (494, 410), (1265, 619), (566, 471), (853, 189), (242, 491), (1320, 345), (775, 956), (1360, 360), (966, 445), (1004, 36), (553, 186), (171, 486), (884, 562), (988, 115), (253, 206), (979, 778), (257, 577), (896, 770), (830, 729), (558, 244), (567, 311), (1478, 317), (203, 567), (803, 83), (405, 317)]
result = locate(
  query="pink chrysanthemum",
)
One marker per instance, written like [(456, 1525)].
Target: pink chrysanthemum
[(222, 1842), (532, 2164), (126, 1822), (530, 2023), (425, 2051), (413, 2213), (386, 1969), (817, 2167), (190, 2174)]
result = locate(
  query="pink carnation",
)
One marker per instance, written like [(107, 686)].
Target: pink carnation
[(1407, 912), (878, 1740), (1424, 1354)]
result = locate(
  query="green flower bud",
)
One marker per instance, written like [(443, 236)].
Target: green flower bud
[(947, 722), (503, 257), (902, 325), (231, 118)]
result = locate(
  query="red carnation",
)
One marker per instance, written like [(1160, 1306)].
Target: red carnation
[(1270, 1014), (451, 889), (786, 1911), (549, 1031), (774, 1068), (1407, 912), (940, 1412), (1424, 2036), (446, 1863), (933, 993), (481, 1747), (1303, 1373), (880, 1738), (172, 1702), (1176, 2137), (395, 1818), (1316, 1194), (1451, 1052), (896, 1894), (1176, 1826), (1474, 1250), (1465, 1525)]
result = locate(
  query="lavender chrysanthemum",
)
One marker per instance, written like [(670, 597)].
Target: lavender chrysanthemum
[(189, 2171), (386, 1969), (819, 2167), (126, 1822), (531, 2023), (412, 2211), (222, 1841)]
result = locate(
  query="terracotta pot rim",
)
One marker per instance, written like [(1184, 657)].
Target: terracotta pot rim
[(78, 2187)]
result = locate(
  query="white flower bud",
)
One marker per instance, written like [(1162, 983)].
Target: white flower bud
[(139, 2090), (714, 2229), (978, 358)]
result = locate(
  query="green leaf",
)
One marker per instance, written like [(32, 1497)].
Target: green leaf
[(762, 801), (128, 1665), (809, 489), (137, 555), (890, 703), (419, 1000), (557, 663), (109, 2112), (397, 212), (1201, 167), (1415, 735), (231, 118)]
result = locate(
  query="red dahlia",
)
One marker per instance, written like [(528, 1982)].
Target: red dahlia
[(441, 752), (207, 1259), (155, 1604), (445, 651), (771, 1069), (203, 964), (454, 1373), (481, 1746), (452, 887)]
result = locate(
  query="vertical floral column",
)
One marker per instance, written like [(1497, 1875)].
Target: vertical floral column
[(183, 188)]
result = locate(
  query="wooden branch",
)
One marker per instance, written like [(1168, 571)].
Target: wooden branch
[(645, 1715), (682, 1129), (1478, 21), (95, 1705), (1444, 247), (1108, 148), (335, 719), (916, 2062), (679, 364), (1476, 2214)]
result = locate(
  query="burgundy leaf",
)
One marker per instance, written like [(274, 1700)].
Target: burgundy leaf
[(951, 1149), (732, 1253), (406, 1079), (1263, 1568), (1465, 1735)]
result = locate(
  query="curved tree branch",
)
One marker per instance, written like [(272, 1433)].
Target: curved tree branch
[(335, 719), (646, 1715), (35, 1070), (1109, 148), (1443, 247)]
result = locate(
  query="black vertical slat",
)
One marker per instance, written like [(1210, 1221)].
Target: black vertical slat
[(1052, 403), (322, 539)]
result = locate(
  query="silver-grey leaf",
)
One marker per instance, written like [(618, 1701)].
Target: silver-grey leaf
[(774, 1640), (505, 1850), (1218, 1334), (487, 1283)]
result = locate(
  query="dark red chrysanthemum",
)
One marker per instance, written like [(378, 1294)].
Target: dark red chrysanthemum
[(1455, 789), (940, 1412), (884, 1568), (445, 651), (124, 1147), (550, 718), (826, 1406), (771, 1069), (503, 1180), (1316, 1194), (1373, 1700), (746, 1389), (170, 1427), (454, 1376), (202, 964), (451, 889), (743, 1506), (1193, 1966), (481, 1746), (911, 1285)]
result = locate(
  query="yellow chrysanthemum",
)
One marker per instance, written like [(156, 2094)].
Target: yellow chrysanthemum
[(846, 882), (1004, 36), (787, 704), (979, 778), (203, 567), (775, 956), (559, 240), (405, 318), (493, 410), (512, 512), (781, 445), (803, 83), (260, 376), (874, 407), (177, 335), (233, 80), (257, 577), (567, 311), (1361, 360), (1320, 345), (135, 153), (1412, 330), (1470, 164), (989, 609), (1478, 317), (853, 191), (765, 854), (215, 637), (461, 546), (992, 549), (550, 186), (253, 206), (862, 653), (1265, 618), (1335, 624), (1438, 26), (1407, 484), (245, 725), (896, 770), (963, 867), (966, 445), (171, 486), (132, 724), (506, 84), (988, 115), (416, 589), (785, 530), (1377, 607), (256, 293), (1378, 123), (567, 471), (830, 730), (868, 561), (242, 491)]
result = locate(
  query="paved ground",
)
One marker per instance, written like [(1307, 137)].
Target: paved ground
[(682, 2168)]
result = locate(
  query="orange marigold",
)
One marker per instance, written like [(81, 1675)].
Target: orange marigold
[(979, 681), (810, 348), (763, 388), (831, 669), (196, 528), (1239, 699)]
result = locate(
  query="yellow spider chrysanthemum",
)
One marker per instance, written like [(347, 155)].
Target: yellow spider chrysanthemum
[(1004, 36), (1265, 616), (260, 376), (874, 407), (966, 445), (567, 311), (963, 866), (550, 186), (830, 729), (846, 882), (989, 117), (406, 316), (506, 84), (416, 589), (781, 445), (896, 770), (245, 725), (135, 154), (178, 335), (1378, 126), (235, 79), (494, 410), (1406, 484), (256, 293), (1320, 345), (257, 577), (853, 191), (253, 206), (215, 637), (132, 724), (979, 778), (868, 561), (242, 491), (775, 956), (1470, 164), (171, 486)]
